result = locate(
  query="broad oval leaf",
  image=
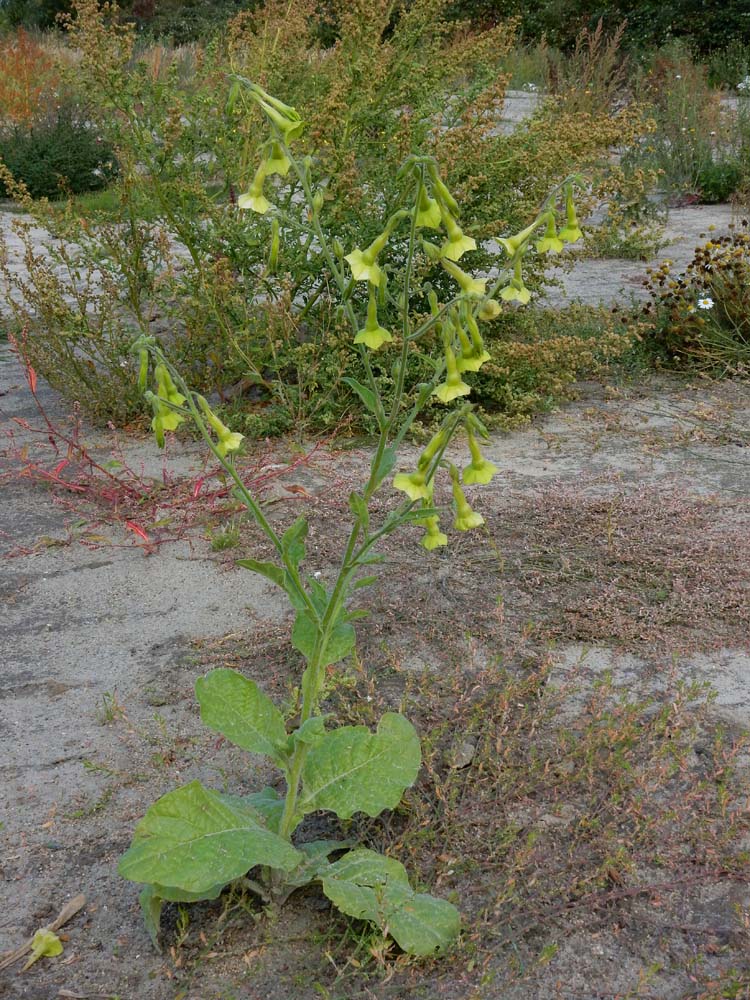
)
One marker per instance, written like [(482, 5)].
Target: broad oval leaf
[(354, 770), (368, 886), (194, 840), (235, 706)]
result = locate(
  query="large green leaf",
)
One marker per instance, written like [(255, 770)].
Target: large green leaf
[(267, 802), (235, 706), (368, 886), (194, 840), (340, 641), (354, 770)]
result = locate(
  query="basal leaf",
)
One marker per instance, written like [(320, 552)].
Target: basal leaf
[(235, 706), (354, 770), (368, 886), (192, 839)]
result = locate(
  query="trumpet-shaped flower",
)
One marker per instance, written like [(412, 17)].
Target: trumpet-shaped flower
[(434, 445), (489, 310), (473, 287), (512, 244), (428, 211), (372, 334), (433, 537), (413, 484), (443, 195), (167, 396), (466, 518), (480, 470), (457, 243), (473, 353), (284, 117), (550, 242), (516, 290), (277, 162), (364, 263), (254, 198), (228, 440), (454, 386), (571, 233)]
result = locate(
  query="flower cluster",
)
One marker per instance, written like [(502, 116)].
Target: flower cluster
[(419, 484)]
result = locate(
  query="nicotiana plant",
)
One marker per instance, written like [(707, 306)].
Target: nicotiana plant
[(194, 841)]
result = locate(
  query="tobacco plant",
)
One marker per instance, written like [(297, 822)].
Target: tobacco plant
[(194, 841)]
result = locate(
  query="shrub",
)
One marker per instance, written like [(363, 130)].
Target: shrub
[(61, 156), (701, 319), (199, 277)]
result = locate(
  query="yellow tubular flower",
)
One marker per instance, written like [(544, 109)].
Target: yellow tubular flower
[(457, 244), (466, 518), (473, 287), (550, 242), (516, 290), (413, 484), (480, 471), (454, 386), (364, 263), (512, 244), (372, 334), (428, 211), (572, 232), (254, 199), (433, 537), (278, 162)]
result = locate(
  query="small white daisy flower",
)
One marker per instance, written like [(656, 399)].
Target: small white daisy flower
[(706, 303)]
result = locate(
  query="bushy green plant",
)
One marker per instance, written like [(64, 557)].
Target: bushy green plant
[(700, 319), (194, 841), (198, 276), (63, 155)]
